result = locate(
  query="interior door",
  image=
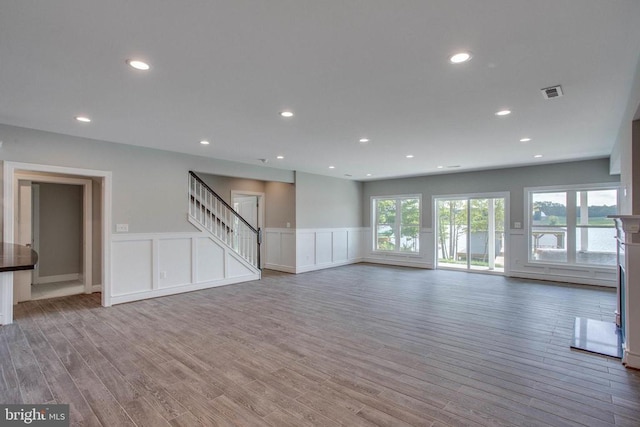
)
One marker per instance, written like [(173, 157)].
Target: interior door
[(247, 207)]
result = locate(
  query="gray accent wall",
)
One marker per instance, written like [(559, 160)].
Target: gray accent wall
[(60, 230), (512, 180), (149, 186), (326, 202), (224, 185), (279, 197)]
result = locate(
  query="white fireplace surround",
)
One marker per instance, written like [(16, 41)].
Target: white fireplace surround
[(628, 314)]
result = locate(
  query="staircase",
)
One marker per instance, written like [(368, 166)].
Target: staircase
[(210, 213)]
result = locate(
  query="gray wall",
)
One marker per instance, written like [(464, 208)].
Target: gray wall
[(279, 204), (512, 180), (60, 230), (96, 239), (149, 186), (326, 202), (223, 185), (622, 154)]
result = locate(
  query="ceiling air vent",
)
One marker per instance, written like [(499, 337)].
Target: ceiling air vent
[(552, 92)]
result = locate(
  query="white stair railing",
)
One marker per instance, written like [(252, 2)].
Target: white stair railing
[(215, 215)]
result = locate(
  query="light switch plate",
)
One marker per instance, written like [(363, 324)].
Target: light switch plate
[(517, 225)]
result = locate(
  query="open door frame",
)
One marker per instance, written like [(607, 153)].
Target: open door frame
[(87, 213), (261, 201), (11, 171)]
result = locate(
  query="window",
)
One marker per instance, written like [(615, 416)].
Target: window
[(571, 225), (397, 224)]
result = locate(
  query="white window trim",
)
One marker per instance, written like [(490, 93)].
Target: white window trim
[(570, 218), (374, 223)]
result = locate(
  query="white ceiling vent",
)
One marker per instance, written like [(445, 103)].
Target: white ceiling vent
[(552, 92)]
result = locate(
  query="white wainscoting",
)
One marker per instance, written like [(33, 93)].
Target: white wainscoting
[(302, 250), (423, 259), (280, 249), (157, 264), (519, 266)]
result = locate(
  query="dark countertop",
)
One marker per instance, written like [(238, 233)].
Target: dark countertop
[(16, 257)]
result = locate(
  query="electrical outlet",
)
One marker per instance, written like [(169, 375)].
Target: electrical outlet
[(163, 274), (122, 228)]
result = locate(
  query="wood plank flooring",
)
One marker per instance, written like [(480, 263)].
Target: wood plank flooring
[(359, 345)]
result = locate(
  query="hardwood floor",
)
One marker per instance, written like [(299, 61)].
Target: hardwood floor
[(358, 345)]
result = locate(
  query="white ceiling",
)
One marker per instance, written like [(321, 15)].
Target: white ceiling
[(223, 70)]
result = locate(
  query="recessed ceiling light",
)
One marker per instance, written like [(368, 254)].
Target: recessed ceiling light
[(364, 140), (204, 142), (368, 174), (460, 57), (138, 65), (525, 140), (280, 157), (83, 119), (503, 113), (286, 114), (440, 167), (409, 156), (332, 167), (537, 156)]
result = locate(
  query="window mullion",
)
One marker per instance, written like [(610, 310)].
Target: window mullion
[(571, 226), (396, 226)]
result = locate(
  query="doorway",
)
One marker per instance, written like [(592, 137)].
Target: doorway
[(250, 206), (470, 232), (55, 217)]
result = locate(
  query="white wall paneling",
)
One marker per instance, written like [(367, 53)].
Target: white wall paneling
[(280, 249), (157, 264), (301, 250), (328, 247)]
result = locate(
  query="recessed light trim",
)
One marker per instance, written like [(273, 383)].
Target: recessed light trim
[(460, 57), (525, 139), (364, 140), (537, 156), (332, 167), (138, 65), (368, 174), (440, 167), (83, 119), (503, 113), (279, 157), (409, 156), (204, 142), (287, 114)]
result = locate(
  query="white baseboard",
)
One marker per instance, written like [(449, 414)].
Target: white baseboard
[(630, 360), (564, 279), (315, 267), (96, 288), (399, 262), (57, 278), (283, 268), (119, 299)]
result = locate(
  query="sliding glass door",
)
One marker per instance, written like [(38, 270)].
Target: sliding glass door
[(470, 233)]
